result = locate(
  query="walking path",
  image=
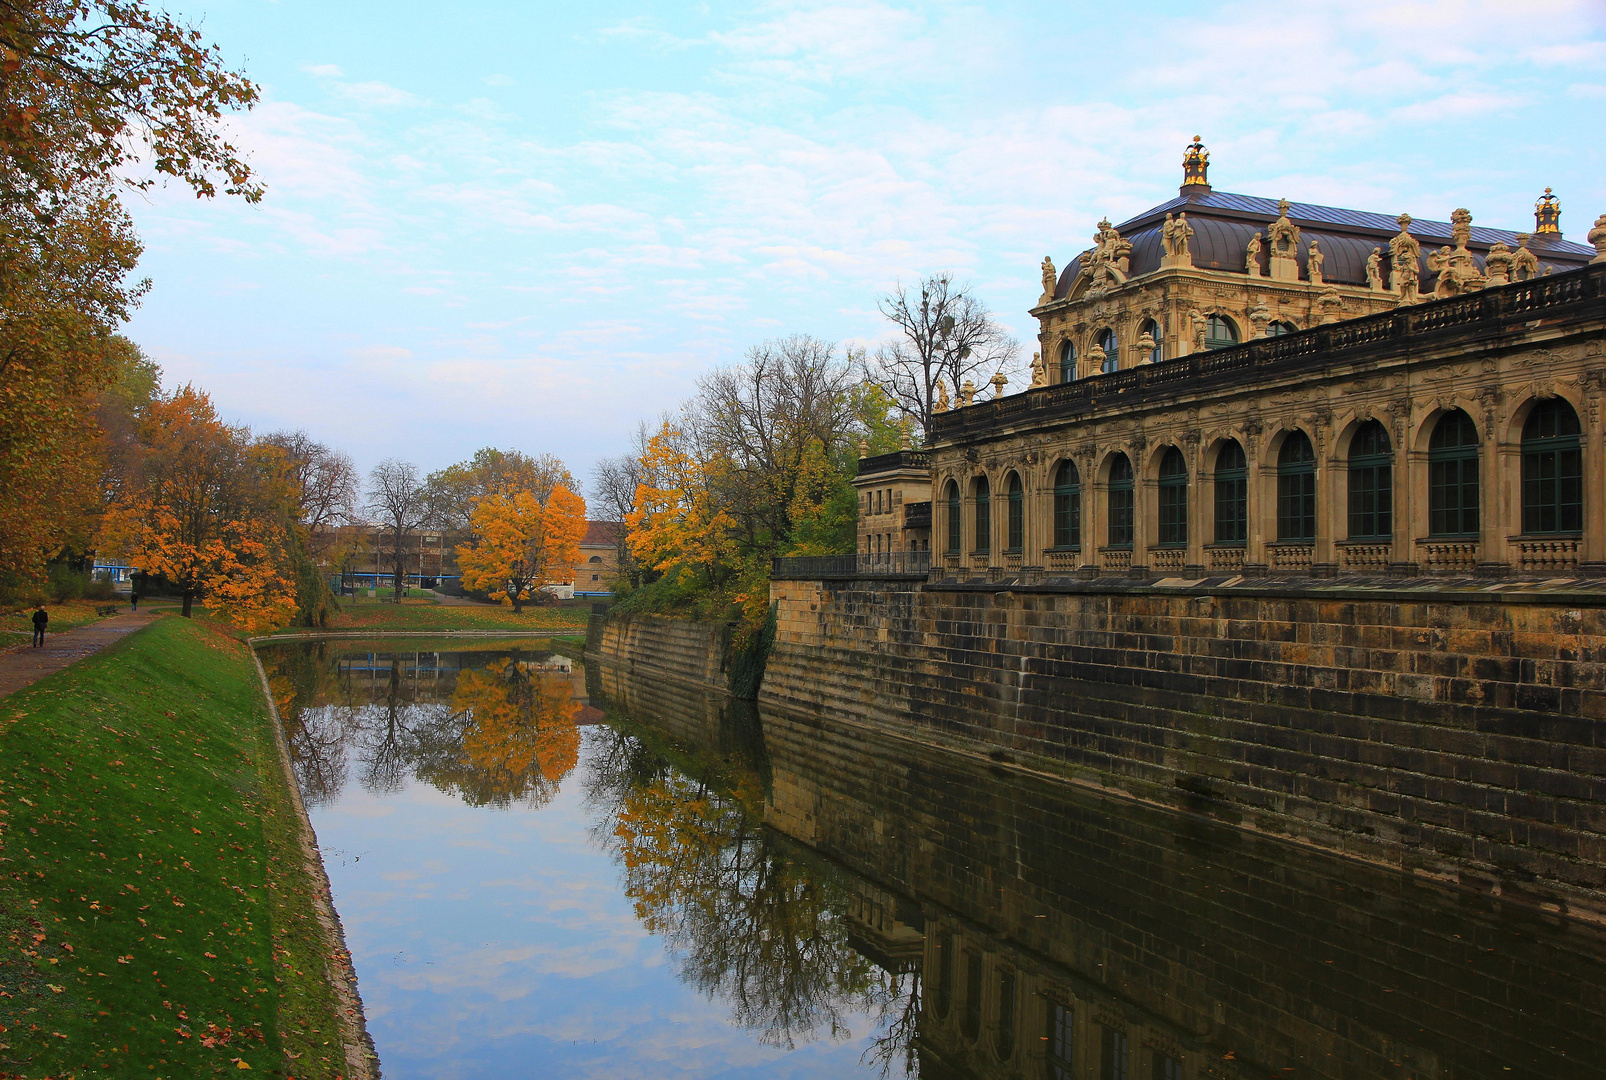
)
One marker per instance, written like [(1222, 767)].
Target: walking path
[(26, 665)]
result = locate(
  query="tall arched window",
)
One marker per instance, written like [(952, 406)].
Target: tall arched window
[(1173, 499), (1017, 513), (984, 515), (1067, 507), (1552, 470), (1152, 328), (1453, 476), (1220, 332), (1004, 1033), (1278, 329), (1112, 349), (1232, 494), (1067, 362), (954, 517), (1120, 502), (1296, 490), (1371, 483)]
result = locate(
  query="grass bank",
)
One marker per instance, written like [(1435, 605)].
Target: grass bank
[(157, 909), (381, 617)]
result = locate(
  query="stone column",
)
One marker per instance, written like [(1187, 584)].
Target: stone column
[(1197, 516), (1499, 499), (1145, 497), (1095, 508), (1593, 547), (1410, 504), (1262, 511), (1332, 508)]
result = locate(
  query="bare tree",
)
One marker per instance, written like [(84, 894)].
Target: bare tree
[(326, 480), (614, 481), (763, 416), (399, 500), (947, 335)]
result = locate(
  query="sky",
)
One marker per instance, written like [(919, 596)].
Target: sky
[(533, 226)]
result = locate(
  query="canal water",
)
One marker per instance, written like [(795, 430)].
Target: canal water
[(550, 872)]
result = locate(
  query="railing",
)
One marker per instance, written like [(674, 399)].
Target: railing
[(917, 515), (1560, 553), (894, 564), (1062, 562), (1517, 301), (980, 560), (1364, 556), (1456, 555), (1169, 559), (1116, 558), (1012, 560), (1291, 556), (1225, 557), (898, 459)]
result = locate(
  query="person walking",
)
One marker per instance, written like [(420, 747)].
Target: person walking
[(40, 620), (133, 597)]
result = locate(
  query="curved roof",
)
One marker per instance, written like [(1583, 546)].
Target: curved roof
[(1223, 223)]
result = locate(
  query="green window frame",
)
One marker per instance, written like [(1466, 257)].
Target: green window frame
[(1067, 362), (1552, 470), (1371, 484), (955, 519), (1220, 332), (1296, 490), (984, 516), (1112, 350), (1152, 328), (1453, 495), (1068, 507), (1279, 328), (1172, 499), (1120, 490), (1017, 514), (1232, 494)]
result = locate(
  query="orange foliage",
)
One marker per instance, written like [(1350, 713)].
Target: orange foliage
[(523, 544), (522, 724), (676, 519)]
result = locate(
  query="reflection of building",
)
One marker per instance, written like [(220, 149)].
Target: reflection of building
[(599, 559), (885, 927), (894, 502), (1231, 385)]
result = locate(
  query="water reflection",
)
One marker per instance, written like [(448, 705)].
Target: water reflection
[(832, 902)]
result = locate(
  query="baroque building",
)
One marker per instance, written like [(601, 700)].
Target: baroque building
[(1237, 384)]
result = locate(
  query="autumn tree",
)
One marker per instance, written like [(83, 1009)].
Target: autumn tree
[(455, 490), (399, 502), (945, 334), (522, 543), (206, 510), (678, 520)]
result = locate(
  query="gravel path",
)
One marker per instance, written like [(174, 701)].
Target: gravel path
[(25, 665)]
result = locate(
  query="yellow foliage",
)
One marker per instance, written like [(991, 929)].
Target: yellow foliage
[(676, 519), (522, 725), (522, 544)]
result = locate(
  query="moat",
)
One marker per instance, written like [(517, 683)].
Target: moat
[(549, 871)]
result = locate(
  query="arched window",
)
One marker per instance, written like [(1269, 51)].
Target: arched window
[(1017, 513), (984, 515), (1453, 476), (594, 559), (1004, 1034), (1552, 470), (1067, 362), (1120, 502), (1173, 499), (1067, 507), (1371, 483), (954, 516), (1112, 349), (1232, 494), (1296, 490), (1220, 332), (971, 1024), (1278, 329), (1152, 328)]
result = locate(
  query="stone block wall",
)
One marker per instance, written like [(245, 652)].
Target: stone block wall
[(694, 653), (1457, 737)]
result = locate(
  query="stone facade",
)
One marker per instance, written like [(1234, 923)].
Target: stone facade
[(1460, 734), (894, 503), (1326, 431)]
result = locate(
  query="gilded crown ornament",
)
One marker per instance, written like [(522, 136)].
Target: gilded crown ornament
[(1547, 214), (1195, 166)]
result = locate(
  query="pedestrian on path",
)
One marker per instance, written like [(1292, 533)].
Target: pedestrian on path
[(40, 619), (133, 597)]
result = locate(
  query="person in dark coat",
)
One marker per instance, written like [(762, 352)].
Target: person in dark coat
[(40, 619), (133, 596)]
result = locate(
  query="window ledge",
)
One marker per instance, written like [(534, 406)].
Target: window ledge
[(1227, 544), (1291, 543)]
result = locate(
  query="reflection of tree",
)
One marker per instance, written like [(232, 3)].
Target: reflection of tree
[(508, 733), (757, 921)]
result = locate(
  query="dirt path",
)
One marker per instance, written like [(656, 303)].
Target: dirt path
[(23, 666)]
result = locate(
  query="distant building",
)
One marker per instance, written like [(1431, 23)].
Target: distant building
[(599, 558), (894, 502)]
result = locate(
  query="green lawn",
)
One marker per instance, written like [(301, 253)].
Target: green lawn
[(154, 913), (18, 625)]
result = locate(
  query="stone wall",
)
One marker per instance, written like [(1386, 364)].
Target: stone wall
[(1454, 734), (694, 653)]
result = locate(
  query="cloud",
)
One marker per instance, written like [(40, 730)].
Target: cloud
[(377, 94), (324, 71)]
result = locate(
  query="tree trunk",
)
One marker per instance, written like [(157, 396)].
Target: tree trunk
[(518, 601), (189, 600)]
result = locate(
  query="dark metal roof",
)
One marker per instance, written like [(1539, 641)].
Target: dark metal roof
[(1223, 222)]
